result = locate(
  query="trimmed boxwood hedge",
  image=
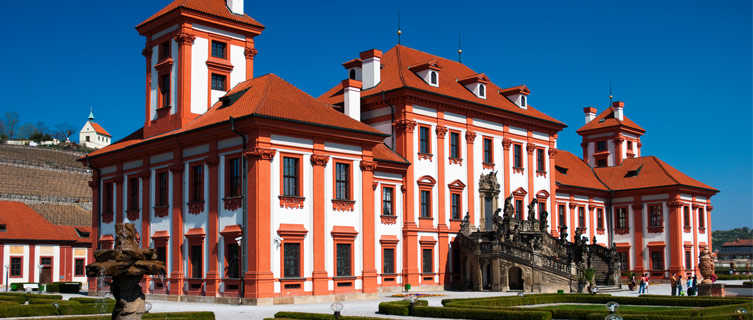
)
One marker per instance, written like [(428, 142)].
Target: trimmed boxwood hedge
[(421, 309), (64, 287), (732, 277), (202, 315), (315, 316)]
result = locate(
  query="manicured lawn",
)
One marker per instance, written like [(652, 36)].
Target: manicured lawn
[(601, 307)]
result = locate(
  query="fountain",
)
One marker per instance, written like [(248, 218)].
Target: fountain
[(126, 264)]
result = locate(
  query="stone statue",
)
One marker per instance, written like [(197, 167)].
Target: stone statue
[(499, 224), (465, 224), (509, 209), (706, 265), (563, 233), (488, 182), (516, 234), (125, 237), (544, 223), (532, 209), (593, 241)]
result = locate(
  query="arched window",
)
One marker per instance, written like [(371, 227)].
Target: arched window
[(433, 78), (352, 74), (482, 90), (523, 101)]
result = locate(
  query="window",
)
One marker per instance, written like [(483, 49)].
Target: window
[(352, 74), (342, 181), (523, 101), (196, 262), (88, 139), (582, 217), (519, 209), (387, 204), (292, 257), (45, 261), (657, 260), (540, 162), (233, 268), (425, 146), (517, 156), (433, 78), (233, 176), (133, 194), (541, 206), (455, 205), (688, 260), (197, 183), (425, 204), (162, 254), (686, 216), (107, 198), (601, 145), (164, 89), (161, 197), (655, 214), (79, 268), (15, 267), (343, 260), (601, 163), (623, 256), (164, 50), (701, 218), (388, 264), (218, 82), (428, 261), (488, 151), (290, 176), (561, 213), (218, 49), (630, 146), (622, 221), (454, 145), (482, 90), (600, 218)]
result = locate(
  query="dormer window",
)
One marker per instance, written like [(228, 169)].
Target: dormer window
[(428, 71), (352, 74), (523, 101), (354, 69), (517, 95), (476, 84)]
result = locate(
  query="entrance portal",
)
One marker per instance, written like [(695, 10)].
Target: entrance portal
[(488, 213), (515, 278)]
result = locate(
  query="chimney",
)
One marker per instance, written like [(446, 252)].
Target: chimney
[(352, 98), (618, 106), (590, 113), (371, 66), (236, 6)]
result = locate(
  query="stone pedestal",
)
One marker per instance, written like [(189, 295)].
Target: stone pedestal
[(129, 298), (714, 289)]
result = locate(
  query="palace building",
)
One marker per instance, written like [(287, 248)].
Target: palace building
[(249, 187)]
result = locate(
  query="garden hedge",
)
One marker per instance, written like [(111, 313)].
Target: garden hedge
[(316, 316), (64, 287), (171, 316), (421, 309), (733, 277)]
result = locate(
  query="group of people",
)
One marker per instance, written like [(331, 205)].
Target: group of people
[(691, 284), (643, 283)]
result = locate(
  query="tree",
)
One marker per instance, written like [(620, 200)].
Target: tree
[(2, 126), (63, 131), (11, 123), (42, 128), (27, 130)]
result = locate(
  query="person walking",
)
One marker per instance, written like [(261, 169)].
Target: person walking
[(688, 283), (673, 283), (642, 284), (648, 282), (695, 285), (680, 291)]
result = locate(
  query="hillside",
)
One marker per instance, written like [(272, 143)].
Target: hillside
[(720, 237), (50, 181)]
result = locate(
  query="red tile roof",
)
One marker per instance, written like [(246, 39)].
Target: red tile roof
[(607, 120), (99, 129), (382, 152), (650, 172), (395, 74), (23, 224), (267, 96), (739, 242), (577, 173), (216, 8), (77, 233)]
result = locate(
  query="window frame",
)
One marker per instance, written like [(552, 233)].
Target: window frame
[(456, 209), (599, 145), (226, 257), (600, 219), (384, 260), (540, 160), (192, 267), (76, 272), (517, 156), (686, 216), (212, 81), (20, 267), (519, 211), (196, 188), (425, 206), (230, 178), (225, 51), (434, 78), (133, 193), (582, 218), (283, 263), (488, 150), (701, 218), (425, 249), (456, 149), (390, 202), (337, 258), (617, 218), (164, 50), (561, 215), (164, 85), (298, 178), (424, 142), (655, 219), (161, 199), (108, 198), (660, 253), (348, 180)]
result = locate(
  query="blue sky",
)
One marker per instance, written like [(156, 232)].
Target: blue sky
[(683, 68)]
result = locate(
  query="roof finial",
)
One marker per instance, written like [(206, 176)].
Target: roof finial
[(610, 91), (399, 32), (460, 50), (91, 114)]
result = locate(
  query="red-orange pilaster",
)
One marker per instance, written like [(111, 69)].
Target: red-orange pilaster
[(530, 169), (176, 276), (442, 228), (185, 42), (506, 143), (213, 275), (676, 250), (259, 280), (404, 145), (553, 216), (250, 53), (145, 233), (94, 237), (618, 150), (369, 274), (319, 274), (638, 236), (119, 196), (32, 270)]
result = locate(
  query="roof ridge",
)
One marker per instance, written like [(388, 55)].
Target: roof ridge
[(597, 176), (399, 65), (664, 169)]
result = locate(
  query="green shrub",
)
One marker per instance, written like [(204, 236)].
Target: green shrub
[(733, 277), (399, 307), (91, 300), (748, 283), (28, 311), (171, 316), (480, 314), (315, 316)]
